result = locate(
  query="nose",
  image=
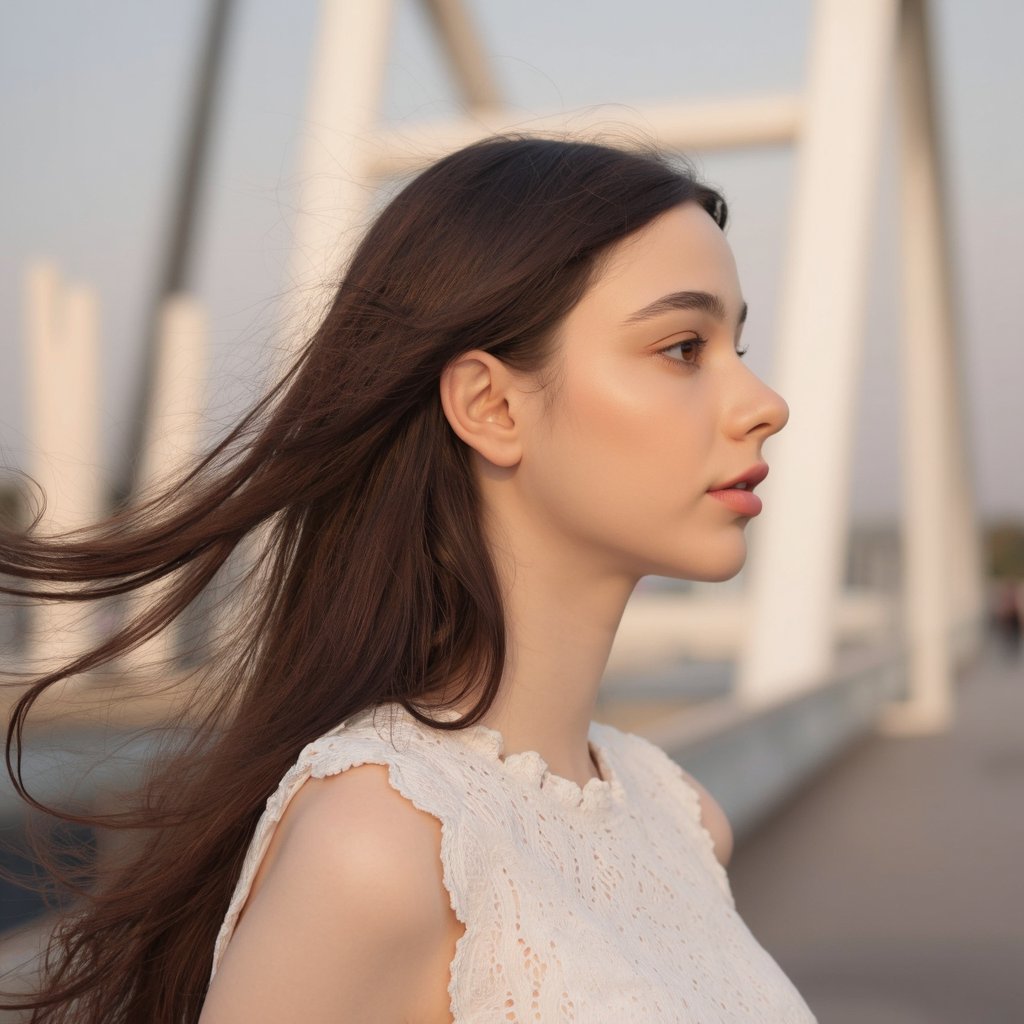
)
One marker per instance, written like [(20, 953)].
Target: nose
[(764, 410)]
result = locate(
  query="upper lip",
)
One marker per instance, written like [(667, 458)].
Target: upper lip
[(752, 477)]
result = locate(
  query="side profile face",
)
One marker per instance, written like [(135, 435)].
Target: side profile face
[(649, 406)]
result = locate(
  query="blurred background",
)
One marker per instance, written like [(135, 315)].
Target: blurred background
[(168, 149)]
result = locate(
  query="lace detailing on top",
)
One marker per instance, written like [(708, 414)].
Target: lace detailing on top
[(584, 905), (530, 769)]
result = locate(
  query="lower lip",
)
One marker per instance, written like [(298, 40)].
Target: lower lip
[(744, 502)]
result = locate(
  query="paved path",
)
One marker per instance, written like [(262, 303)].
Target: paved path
[(891, 888)]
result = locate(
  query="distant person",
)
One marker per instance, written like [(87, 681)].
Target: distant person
[(527, 394), (1008, 615)]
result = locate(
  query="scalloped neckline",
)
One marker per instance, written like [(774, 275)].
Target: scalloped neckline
[(529, 767)]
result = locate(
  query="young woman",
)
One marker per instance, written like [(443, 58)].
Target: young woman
[(395, 807)]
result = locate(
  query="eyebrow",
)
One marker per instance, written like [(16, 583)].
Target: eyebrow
[(703, 302)]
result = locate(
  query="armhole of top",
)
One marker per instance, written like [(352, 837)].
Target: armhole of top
[(691, 799), (316, 764), (721, 875)]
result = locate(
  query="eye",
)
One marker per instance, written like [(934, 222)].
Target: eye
[(689, 350)]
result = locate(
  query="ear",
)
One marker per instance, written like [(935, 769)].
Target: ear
[(478, 395)]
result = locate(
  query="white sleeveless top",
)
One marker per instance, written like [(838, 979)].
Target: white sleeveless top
[(599, 904)]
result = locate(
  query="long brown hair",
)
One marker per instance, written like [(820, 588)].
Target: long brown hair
[(373, 582)]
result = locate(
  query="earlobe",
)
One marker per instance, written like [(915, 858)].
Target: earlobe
[(477, 395)]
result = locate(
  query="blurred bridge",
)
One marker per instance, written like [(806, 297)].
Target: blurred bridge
[(757, 689)]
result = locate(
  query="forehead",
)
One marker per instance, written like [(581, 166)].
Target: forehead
[(682, 249)]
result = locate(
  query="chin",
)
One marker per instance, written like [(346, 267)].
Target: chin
[(698, 574), (713, 565), (714, 577)]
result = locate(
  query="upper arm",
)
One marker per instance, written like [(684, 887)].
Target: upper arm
[(347, 913), (715, 821)]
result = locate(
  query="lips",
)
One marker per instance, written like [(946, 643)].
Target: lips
[(752, 477)]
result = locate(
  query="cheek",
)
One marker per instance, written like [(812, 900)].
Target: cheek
[(627, 438), (610, 415)]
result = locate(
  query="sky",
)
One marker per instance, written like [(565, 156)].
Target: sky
[(93, 100)]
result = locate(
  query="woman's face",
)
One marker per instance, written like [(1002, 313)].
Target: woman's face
[(652, 407)]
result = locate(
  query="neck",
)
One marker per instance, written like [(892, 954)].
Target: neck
[(561, 618)]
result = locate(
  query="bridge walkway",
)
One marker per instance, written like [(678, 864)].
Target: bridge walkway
[(890, 887)]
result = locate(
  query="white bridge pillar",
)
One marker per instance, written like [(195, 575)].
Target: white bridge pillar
[(797, 558), (61, 324), (334, 180), (942, 561), (173, 442)]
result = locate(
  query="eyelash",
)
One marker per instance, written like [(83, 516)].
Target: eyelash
[(698, 344)]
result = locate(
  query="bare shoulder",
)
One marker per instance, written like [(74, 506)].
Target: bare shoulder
[(348, 916), (715, 821)]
